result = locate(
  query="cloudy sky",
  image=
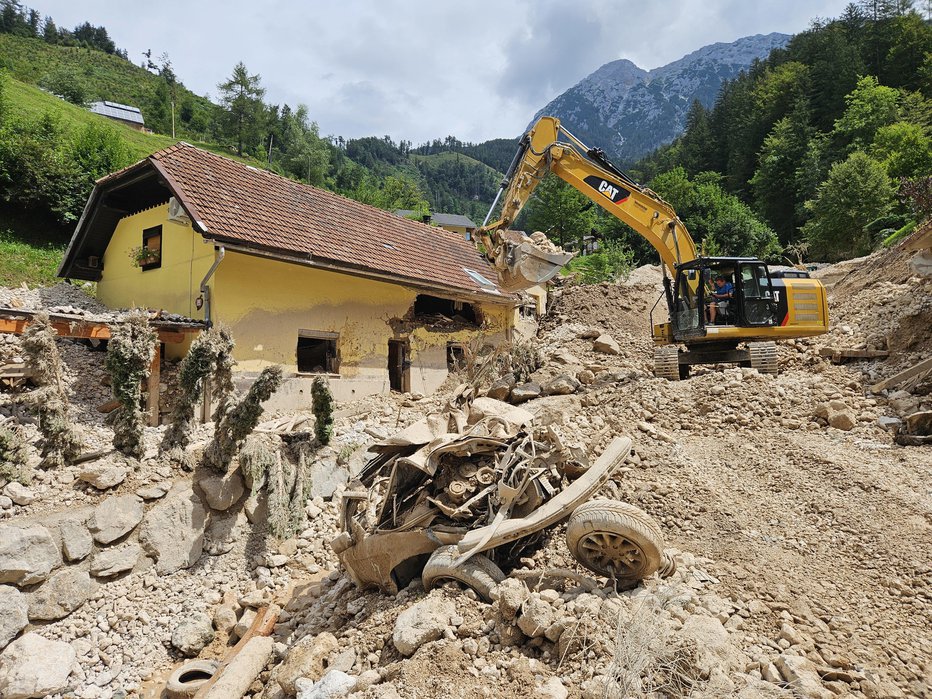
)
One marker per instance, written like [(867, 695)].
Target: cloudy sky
[(422, 69)]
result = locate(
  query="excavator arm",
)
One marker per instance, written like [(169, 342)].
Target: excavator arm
[(541, 151)]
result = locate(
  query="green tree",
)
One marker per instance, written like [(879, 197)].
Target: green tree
[(904, 149), (560, 211), (716, 219), (98, 150), (869, 106), (774, 184), (241, 97), (856, 192)]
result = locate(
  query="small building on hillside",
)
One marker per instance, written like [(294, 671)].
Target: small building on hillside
[(123, 113), (305, 278), (455, 223)]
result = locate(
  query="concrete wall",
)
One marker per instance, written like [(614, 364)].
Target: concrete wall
[(266, 302)]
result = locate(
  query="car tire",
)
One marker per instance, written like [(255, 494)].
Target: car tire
[(615, 539), (184, 682), (478, 573)]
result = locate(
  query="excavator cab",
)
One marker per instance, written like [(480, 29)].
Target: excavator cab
[(752, 301)]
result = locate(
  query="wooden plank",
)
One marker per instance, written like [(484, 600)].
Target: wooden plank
[(90, 330), (922, 367), (152, 398)]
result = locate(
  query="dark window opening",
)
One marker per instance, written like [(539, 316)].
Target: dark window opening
[(456, 356), (317, 353), (151, 251), (426, 305)]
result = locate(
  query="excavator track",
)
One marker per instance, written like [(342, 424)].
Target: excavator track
[(764, 357), (667, 362)]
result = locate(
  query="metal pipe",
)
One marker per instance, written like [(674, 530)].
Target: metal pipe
[(205, 290)]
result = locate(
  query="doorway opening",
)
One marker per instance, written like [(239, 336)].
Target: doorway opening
[(399, 365)]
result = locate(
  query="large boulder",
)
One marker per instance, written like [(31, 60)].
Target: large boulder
[(32, 667), (27, 554), (605, 344), (76, 541), (221, 492), (114, 561), (18, 493), (333, 685), (115, 517), (61, 594), (307, 658), (193, 634), (14, 609), (103, 476), (422, 623), (173, 530)]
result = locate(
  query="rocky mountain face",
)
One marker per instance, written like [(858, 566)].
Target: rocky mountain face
[(629, 111)]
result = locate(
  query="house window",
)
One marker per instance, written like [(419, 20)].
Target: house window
[(317, 352), (151, 250), (426, 307)]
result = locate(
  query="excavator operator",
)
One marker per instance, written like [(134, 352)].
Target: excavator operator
[(720, 296)]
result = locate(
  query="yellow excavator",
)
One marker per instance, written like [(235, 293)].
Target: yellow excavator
[(763, 304)]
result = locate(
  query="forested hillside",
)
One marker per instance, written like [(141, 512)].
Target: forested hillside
[(828, 140), (52, 148)]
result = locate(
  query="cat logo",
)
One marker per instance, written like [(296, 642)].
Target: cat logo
[(607, 189)]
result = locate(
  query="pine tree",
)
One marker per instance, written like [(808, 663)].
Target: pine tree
[(241, 97)]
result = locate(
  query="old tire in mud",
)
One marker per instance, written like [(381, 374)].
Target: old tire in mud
[(478, 573), (184, 682), (616, 540)]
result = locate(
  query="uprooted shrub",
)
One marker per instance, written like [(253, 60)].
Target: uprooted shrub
[(239, 419), (210, 359), (129, 354), (322, 404), (13, 455), (281, 468), (49, 402)]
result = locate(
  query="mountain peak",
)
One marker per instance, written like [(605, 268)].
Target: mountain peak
[(630, 111)]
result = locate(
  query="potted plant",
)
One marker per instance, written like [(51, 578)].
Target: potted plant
[(143, 257)]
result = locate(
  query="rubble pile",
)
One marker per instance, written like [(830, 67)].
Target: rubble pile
[(798, 525)]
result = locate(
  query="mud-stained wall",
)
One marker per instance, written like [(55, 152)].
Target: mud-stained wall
[(267, 302)]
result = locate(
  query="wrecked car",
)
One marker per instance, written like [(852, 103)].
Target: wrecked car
[(461, 495)]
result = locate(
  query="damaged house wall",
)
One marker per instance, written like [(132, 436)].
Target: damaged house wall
[(266, 303)]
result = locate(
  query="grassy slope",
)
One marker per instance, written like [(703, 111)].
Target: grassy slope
[(107, 77), (36, 263)]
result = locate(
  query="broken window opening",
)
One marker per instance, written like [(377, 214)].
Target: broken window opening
[(456, 356), (151, 251), (317, 353), (428, 307)]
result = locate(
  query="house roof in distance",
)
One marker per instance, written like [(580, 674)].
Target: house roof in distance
[(234, 203), (443, 219), (115, 110)]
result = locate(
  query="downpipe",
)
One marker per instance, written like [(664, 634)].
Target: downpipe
[(205, 290)]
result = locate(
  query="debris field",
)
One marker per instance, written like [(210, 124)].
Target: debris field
[(795, 526)]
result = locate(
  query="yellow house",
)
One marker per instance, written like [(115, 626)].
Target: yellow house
[(305, 278)]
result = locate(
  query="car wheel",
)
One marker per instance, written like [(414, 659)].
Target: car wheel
[(478, 573), (615, 539)]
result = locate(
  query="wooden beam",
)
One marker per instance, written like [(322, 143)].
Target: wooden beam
[(920, 368), (152, 397), (91, 330)]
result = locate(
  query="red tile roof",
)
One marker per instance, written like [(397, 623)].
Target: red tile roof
[(242, 204)]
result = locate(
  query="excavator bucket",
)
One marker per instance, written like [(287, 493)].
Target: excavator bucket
[(524, 262)]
